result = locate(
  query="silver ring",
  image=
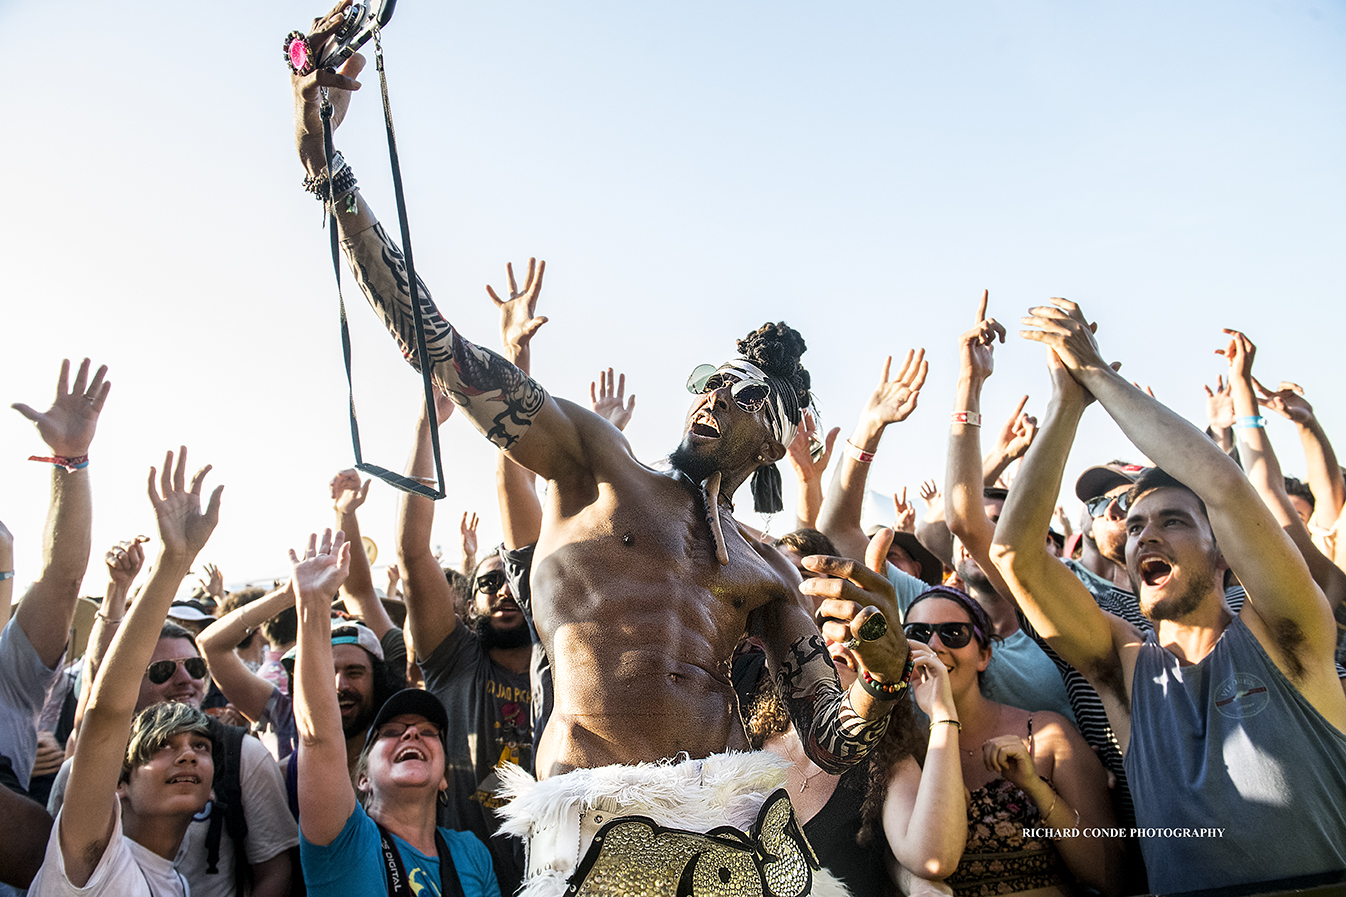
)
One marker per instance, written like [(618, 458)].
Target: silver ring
[(851, 644)]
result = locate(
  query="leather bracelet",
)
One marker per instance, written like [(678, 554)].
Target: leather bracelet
[(854, 451)]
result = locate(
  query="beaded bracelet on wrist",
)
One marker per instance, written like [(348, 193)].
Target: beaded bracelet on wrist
[(888, 691)]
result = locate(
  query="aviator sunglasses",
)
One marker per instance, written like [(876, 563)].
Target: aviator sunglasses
[(490, 583), (1097, 507), (951, 635), (161, 671), (750, 395)]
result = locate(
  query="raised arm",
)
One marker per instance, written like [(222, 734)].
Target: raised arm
[(516, 490), (891, 402), (1281, 593), (426, 591), (809, 470), (1011, 442), (964, 508), (1324, 474), (499, 399), (1264, 470), (1050, 596), (124, 561), (67, 428), (6, 574), (326, 796), (242, 687), (348, 493), (87, 816)]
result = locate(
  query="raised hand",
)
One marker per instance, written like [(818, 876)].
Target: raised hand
[(517, 320), (800, 449), (1061, 327), (124, 561), (1287, 400), (468, 530), (348, 491), (893, 400), (930, 492), (394, 575), (904, 513), (608, 402), (308, 91), (214, 582), (1219, 405), (67, 427), (1239, 353), (317, 577), (183, 526), (1017, 434), (976, 347)]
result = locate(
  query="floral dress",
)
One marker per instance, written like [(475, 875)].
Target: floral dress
[(998, 858)]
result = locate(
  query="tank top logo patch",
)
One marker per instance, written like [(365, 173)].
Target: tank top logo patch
[(1241, 695)]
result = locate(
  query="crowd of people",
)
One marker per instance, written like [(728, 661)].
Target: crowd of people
[(636, 692)]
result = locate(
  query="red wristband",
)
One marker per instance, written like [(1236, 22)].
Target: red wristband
[(858, 453), (70, 464)]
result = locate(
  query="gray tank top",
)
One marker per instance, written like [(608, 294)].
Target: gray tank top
[(1235, 776)]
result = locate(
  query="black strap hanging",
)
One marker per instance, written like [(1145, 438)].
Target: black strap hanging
[(395, 871), (397, 480)]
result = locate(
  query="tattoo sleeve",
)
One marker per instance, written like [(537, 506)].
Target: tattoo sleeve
[(501, 400), (833, 734)]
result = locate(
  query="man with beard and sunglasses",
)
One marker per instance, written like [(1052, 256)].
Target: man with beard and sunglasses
[(177, 673), (643, 584)]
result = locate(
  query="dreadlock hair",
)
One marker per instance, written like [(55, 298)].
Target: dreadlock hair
[(767, 716), (776, 349)]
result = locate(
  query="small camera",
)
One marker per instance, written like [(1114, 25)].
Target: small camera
[(357, 24)]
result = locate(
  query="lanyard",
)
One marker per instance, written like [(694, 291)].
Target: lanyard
[(397, 480), (395, 871)]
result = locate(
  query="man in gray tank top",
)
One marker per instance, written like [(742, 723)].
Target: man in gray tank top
[(1232, 726)]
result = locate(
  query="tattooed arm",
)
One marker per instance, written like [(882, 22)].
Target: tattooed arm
[(836, 726), (502, 401)]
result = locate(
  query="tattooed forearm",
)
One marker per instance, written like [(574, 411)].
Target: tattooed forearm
[(499, 398), (834, 735)]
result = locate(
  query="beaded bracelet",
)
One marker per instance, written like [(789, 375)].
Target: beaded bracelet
[(888, 691), (854, 451), (1251, 422), (70, 464)]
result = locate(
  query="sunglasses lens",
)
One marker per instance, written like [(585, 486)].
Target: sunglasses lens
[(1097, 506), (752, 397), (1124, 502), (918, 632), (696, 383), (490, 583), (160, 671), (196, 667), (954, 635)]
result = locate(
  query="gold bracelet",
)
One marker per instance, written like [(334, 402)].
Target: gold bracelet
[(952, 722), (1055, 797)]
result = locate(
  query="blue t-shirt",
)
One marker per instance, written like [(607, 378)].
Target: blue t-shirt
[(353, 863)]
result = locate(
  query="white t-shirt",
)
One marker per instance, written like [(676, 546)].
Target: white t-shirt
[(271, 828), (125, 870)]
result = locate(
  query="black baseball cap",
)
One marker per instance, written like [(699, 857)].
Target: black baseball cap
[(412, 700)]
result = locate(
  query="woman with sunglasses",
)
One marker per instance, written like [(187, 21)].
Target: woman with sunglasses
[(1030, 783), (385, 838)]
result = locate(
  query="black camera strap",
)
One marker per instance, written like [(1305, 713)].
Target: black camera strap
[(397, 480), (395, 871)]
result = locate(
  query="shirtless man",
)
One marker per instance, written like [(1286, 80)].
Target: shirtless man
[(640, 590)]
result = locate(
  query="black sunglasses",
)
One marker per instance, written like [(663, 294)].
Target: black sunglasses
[(490, 583), (749, 395), (1097, 507), (951, 635), (161, 671)]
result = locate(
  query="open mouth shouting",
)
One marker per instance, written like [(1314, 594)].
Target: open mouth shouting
[(410, 752), (704, 424), (1153, 570)]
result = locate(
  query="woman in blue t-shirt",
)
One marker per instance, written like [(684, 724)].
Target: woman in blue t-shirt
[(388, 841)]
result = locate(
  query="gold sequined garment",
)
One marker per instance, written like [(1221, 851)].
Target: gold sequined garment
[(633, 857)]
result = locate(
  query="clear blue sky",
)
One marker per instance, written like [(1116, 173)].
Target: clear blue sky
[(689, 171)]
